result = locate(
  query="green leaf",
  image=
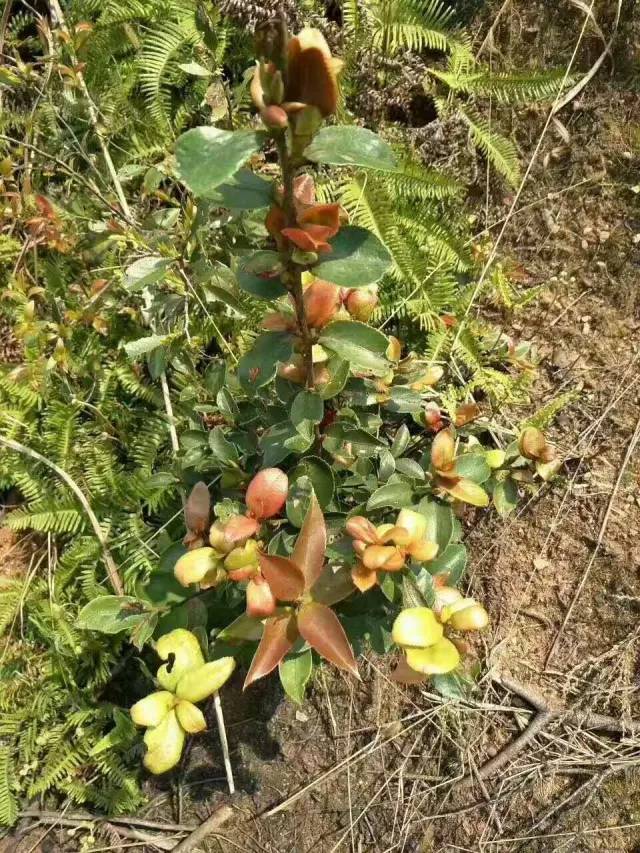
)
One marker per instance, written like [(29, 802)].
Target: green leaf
[(451, 562), (307, 408), (404, 400), (134, 349), (299, 500), (357, 259), (439, 522), (387, 465), (207, 156), (410, 468), (295, 672), (505, 497), (338, 374), (245, 191), (258, 367), (222, 449), (146, 271), (263, 288), (320, 474), (349, 145), (473, 466), (394, 495), (400, 441), (111, 614), (451, 685), (279, 440), (195, 69), (362, 346)]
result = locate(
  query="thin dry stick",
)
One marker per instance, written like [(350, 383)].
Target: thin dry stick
[(603, 527), (488, 39), (214, 821), (224, 743), (112, 569), (93, 115)]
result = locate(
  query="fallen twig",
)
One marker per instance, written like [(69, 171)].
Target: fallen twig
[(546, 713), (214, 821)]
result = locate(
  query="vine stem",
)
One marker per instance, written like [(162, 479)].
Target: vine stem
[(293, 281), (112, 569)]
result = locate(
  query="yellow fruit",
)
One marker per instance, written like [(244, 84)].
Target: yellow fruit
[(194, 565), (434, 660), (190, 718), (187, 655), (467, 615), (414, 523), (242, 557), (152, 710), (202, 682), (164, 744), (416, 626)]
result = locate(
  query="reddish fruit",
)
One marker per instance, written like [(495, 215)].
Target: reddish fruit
[(261, 601), (321, 303), (274, 117), (267, 493)]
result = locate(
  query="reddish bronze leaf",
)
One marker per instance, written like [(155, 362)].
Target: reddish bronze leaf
[(443, 450), (321, 628), (403, 674), (311, 545), (331, 586), (283, 575), (280, 633), (198, 508)]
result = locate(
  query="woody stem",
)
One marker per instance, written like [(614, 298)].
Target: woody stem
[(293, 273)]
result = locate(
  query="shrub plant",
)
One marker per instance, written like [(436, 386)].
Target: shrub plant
[(329, 466), (341, 478)]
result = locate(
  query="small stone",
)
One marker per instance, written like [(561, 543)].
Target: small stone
[(540, 563), (603, 236), (301, 717)]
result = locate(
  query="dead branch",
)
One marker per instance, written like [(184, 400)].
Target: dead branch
[(214, 821)]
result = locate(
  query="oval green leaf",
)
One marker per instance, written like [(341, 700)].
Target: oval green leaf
[(207, 156), (357, 259)]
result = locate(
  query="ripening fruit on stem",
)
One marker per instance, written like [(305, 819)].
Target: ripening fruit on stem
[(267, 493), (321, 303), (361, 303), (196, 565), (261, 601), (416, 627), (533, 445), (274, 117)]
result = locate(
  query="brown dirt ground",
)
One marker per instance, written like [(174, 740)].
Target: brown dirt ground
[(395, 757)]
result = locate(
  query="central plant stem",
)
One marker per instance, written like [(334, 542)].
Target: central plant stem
[(292, 276)]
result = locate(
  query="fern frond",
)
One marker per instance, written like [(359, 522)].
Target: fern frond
[(410, 25), (499, 151), (47, 516)]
